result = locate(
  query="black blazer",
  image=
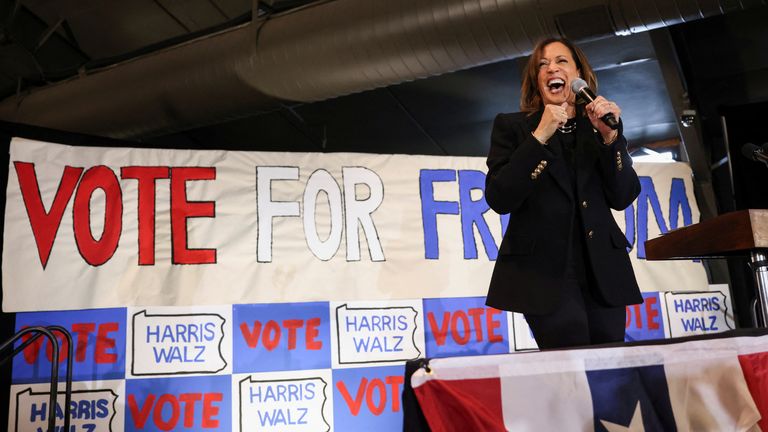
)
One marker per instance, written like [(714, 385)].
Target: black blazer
[(532, 183)]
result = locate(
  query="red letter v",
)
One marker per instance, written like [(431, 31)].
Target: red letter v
[(45, 224)]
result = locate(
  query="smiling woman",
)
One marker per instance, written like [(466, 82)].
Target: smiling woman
[(556, 67), (569, 62), (558, 170)]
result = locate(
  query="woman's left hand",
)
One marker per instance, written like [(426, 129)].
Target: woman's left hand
[(598, 108)]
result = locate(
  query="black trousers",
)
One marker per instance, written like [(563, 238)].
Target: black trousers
[(581, 318)]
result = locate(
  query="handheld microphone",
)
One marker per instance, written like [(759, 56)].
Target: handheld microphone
[(755, 153), (580, 87)]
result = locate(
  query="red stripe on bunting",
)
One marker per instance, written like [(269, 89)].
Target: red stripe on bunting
[(755, 368), (462, 405)]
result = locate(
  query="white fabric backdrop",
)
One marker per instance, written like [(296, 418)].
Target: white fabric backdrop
[(354, 230)]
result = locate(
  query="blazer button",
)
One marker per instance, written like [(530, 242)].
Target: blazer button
[(534, 176), (544, 163), (591, 234), (584, 204)]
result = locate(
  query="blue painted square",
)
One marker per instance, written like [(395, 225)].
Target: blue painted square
[(368, 399), (278, 337), (98, 342), (464, 326), (190, 404), (645, 321)]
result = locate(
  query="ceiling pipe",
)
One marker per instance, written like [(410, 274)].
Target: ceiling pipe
[(326, 50)]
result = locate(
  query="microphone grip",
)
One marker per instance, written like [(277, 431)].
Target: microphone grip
[(608, 119)]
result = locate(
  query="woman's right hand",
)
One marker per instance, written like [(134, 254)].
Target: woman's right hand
[(552, 118)]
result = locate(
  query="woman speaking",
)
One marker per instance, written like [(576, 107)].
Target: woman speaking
[(558, 169)]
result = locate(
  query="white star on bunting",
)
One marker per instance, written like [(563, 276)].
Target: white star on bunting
[(635, 425)]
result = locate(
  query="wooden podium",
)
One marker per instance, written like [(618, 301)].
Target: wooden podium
[(740, 233)]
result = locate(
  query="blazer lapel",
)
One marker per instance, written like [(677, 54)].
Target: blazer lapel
[(557, 169)]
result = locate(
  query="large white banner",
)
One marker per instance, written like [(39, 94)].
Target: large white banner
[(279, 291), (115, 227)]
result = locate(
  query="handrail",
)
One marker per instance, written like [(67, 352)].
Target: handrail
[(48, 332)]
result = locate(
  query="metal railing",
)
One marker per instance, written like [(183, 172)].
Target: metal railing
[(47, 331)]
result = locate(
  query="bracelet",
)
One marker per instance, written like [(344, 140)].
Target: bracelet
[(534, 137), (615, 137)]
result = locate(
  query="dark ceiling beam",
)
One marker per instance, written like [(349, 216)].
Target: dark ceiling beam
[(218, 8), (415, 122), (47, 34), (175, 19), (297, 122), (36, 51), (71, 37)]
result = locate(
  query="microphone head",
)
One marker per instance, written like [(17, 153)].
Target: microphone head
[(749, 150), (578, 84)]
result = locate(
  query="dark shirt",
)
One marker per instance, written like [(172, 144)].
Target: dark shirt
[(577, 264)]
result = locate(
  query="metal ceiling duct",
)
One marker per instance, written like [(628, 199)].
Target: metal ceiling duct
[(326, 50)]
